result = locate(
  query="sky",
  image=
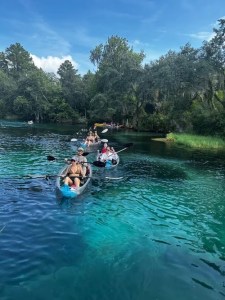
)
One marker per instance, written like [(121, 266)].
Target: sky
[(53, 31)]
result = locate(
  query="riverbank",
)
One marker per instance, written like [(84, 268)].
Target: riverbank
[(195, 141)]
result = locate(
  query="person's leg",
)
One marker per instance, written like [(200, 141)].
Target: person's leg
[(77, 182), (68, 181)]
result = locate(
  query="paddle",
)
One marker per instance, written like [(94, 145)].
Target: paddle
[(99, 164), (51, 158), (47, 177), (104, 130), (103, 140), (125, 147), (96, 163)]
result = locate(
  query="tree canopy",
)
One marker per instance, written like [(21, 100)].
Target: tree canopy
[(182, 90)]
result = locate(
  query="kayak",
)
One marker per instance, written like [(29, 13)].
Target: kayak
[(100, 124), (107, 125), (109, 164), (71, 192), (92, 145)]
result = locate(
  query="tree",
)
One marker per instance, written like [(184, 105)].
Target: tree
[(22, 107), (19, 61), (8, 89), (72, 86), (90, 89), (3, 63), (38, 89), (117, 69)]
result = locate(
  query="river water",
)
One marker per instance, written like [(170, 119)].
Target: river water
[(157, 233)]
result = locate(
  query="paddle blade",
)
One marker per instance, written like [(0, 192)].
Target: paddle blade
[(51, 158), (104, 140), (85, 153), (104, 130), (99, 164), (73, 140), (114, 178)]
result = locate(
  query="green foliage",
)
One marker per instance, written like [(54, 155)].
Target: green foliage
[(19, 61), (7, 85), (100, 110), (197, 141), (21, 106), (73, 89), (155, 122), (170, 137), (210, 123), (60, 111), (182, 91), (117, 78), (3, 109)]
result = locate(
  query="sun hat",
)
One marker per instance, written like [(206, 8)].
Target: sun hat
[(80, 149)]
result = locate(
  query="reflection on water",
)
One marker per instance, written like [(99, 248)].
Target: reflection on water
[(157, 234)]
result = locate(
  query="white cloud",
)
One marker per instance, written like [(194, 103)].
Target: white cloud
[(52, 63), (203, 35)]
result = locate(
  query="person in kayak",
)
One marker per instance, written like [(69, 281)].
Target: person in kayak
[(104, 149), (80, 158), (110, 157), (74, 173), (96, 136), (90, 139)]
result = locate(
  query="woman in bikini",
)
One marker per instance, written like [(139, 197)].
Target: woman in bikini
[(74, 171)]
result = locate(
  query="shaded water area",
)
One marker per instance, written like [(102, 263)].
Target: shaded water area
[(159, 233)]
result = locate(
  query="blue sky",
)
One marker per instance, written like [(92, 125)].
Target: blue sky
[(54, 30)]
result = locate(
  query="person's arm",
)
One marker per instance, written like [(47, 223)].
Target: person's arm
[(81, 172), (84, 165), (114, 154)]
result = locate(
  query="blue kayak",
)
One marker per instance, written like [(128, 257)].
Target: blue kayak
[(71, 192)]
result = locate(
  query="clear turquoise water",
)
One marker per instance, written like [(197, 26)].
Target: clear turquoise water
[(159, 233)]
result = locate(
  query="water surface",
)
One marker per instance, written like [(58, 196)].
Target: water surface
[(159, 233)]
